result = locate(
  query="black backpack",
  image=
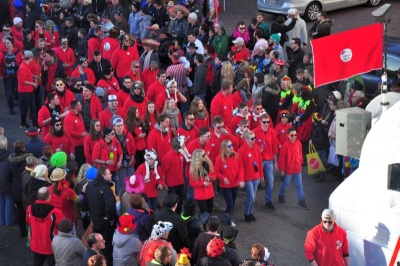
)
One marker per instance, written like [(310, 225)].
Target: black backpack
[(10, 64)]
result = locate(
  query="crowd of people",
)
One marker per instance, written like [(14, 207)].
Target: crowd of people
[(130, 98)]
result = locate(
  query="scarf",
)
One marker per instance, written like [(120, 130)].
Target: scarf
[(137, 98), (256, 116), (125, 89), (60, 93), (245, 94), (245, 35), (201, 114), (59, 133), (173, 115)]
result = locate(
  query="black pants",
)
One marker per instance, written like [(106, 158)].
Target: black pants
[(40, 259), (107, 234), (79, 156), (139, 158), (178, 190), (205, 205), (27, 101), (21, 216)]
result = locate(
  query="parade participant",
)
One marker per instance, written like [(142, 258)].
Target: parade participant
[(136, 98), (109, 82), (91, 105), (64, 95), (282, 127), (171, 92), (160, 137), (60, 139), (66, 55), (158, 86), (151, 115), (91, 139), (113, 109), (137, 127), (123, 56), (222, 103), (84, 72)]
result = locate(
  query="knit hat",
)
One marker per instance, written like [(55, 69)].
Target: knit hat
[(115, 120), (228, 234), (58, 174), (215, 247), (91, 173), (153, 155), (17, 20), (126, 224), (58, 159), (39, 171), (160, 229), (54, 120), (284, 113), (276, 37), (134, 183), (317, 117)]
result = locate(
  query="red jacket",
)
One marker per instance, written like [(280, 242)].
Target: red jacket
[(65, 142), (155, 90), (105, 117), (152, 122), (202, 192), (172, 165), (232, 169), (121, 60), (17, 33), (18, 60), (202, 122), (74, 125), (140, 106), (95, 106), (65, 201), (36, 37), (215, 143), (133, 76), (67, 57), (111, 85), (54, 40), (290, 157), (150, 188), (222, 106), (65, 101), (148, 77), (24, 74), (326, 248), (91, 78), (237, 98), (268, 141), (121, 97), (161, 100), (281, 132), (88, 146), (194, 145), (160, 142), (102, 151), (140, 142), (236, 122), (44, 113), (107, 47), (251, 157), (129, 143), (93, 45), (43, 219), (190, 134)]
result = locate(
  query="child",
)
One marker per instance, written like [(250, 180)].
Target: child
[(282, 127), (300, 77), (320, 140), (243, 127), (242, 112)]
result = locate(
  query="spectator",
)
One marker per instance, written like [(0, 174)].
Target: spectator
[(180, 26), (259, 255), (125, 241), (162, 256), (95, 244), (123, 56), (200, 245), (215, 248), (60, 139), (222, 104), (322, 27), (43, 220), (145, 21), (35, 145), (143, 220), (160, 137), (109, 82), (134, 20), (6, 198), (97, 260), (193, 224), (299, 30), (40, 178), (97, 65), (82, 45), (228, 235), (27, 199), (221, 41), (112, 109), (67, 247), (71, 32)]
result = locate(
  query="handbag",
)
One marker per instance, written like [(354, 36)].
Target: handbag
[(314, 163), (332, 158)]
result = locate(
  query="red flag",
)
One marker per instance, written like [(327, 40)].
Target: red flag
[(346, 54)]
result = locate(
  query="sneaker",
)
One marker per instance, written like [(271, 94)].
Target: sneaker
[(281, 200), (26, 126), (247, 219), (302, 204), (252, 217), (270, 206), (233, 224)]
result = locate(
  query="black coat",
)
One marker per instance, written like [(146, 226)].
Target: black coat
[(282, 29), (218, 261), (163, 53), (30, 19), (101, 202), (27, 198), (5, 184), (98, 68), (60, 72), (16, 165), (71, 34), (194, 227), (35, 146), (178, 236), (199, 82)]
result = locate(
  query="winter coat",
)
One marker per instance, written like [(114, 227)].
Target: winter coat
[(26, 188), (144, 223), (5, 184), (35, 146), (180, 28), (221, 44), (134, 24), (199, 85), (16, 165), (126, 248), (68, 249), (194, 227), (145, 21)]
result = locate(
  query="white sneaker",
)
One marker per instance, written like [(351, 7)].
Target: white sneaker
[(233, 224)]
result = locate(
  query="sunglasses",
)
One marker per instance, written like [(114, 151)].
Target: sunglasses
[(242, 28), (293, 135), (136, 66), (7, 42), (266, 122), (253, 138), (220, 127), (229, 146), (59, 84), (57, 125), (113, 103), (258, 109), (191, 119), (6, 30), (327, 222), (79, 85), (245, 126)]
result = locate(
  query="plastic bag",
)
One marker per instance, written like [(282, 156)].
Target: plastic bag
[(332, 158)]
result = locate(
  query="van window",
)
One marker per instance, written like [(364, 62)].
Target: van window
[(394, 177)]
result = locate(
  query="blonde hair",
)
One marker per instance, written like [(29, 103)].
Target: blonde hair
[(269, 79), (3, 143), (287, 85), (82, 173), (223, 151), (197, 168), (227, 72), (247, 133), (194, 107), (167, 104)]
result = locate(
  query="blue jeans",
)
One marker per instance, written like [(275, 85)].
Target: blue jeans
[(6, 209), (10, 85), (230, 199), (299, 185), (322, 156), (251, 191), (152, 203), (269, 179)]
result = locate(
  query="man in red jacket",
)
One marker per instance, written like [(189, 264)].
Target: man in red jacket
[(73, 123), (113, 109), (218, 135), (290, 160), (50, 110), (91, 105), (66, 55), (158, 87), (43, 220), (160, 137), (187, 128), (222, 103)]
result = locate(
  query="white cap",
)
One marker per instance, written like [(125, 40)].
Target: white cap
[(337, 94), (238, 40), (17, 20), (328, 214), (292, 11)]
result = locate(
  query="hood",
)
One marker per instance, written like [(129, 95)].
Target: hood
[(185, 128), (41, 209), (157, 126), (4, 154), (18, 159), (120, 240)]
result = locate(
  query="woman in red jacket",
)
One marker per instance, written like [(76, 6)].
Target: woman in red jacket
[(230, 172), (153, 177), (151, 115), (65, 95), (253, 172), (59, 138), (138, 129), (201, 176), (91, 139), (202, 118)]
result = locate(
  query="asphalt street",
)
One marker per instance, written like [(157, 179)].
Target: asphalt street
[(282, 231)]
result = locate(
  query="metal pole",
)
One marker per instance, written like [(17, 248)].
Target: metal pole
[(384, 89)]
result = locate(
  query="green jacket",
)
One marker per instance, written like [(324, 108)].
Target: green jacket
[(221, 44)]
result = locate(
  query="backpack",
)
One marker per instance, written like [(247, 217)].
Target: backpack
[(10, 64)]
